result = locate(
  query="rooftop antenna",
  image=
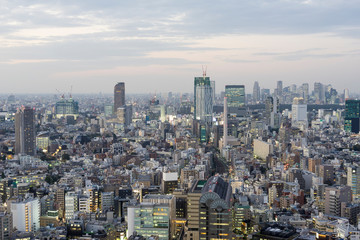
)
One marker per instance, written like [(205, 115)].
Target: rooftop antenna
[(204, 69)]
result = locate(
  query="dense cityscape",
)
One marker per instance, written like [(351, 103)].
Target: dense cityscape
[(279, 163)]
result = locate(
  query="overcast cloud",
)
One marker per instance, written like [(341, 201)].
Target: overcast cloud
[(161, 45)]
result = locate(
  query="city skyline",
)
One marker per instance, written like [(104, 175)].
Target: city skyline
[(158, 45)]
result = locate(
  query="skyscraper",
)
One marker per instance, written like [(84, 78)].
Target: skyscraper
[(215, 208), (279, 91), (305, 92), (299, 112), (352, 116), (203, 99), (25, 137), (319, 92), (235, 95), (119, 95), (256, 92)]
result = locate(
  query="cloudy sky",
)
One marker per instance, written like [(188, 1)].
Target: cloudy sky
[(160, 45)]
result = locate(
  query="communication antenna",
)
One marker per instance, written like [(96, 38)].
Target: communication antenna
[(204, 69)]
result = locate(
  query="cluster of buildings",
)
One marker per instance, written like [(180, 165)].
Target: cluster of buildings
[(280, 165)]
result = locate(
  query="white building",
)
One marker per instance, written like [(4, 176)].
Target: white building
[(71, 205), (107, 201), (26, 215), (299, 112), (262, 149)]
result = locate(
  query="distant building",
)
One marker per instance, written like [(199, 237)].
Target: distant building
[(119, 95), (256, 92), (25, 131), (352, 116), (26, 215), (67, 108), (299, 112)]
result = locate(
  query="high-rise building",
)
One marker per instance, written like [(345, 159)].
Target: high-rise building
[(326, 172), (67, 108), (203, 99), (353, 179), (25, 138), (149, 219), (334, 196), (305, 92), (26, 215), (319, 92), (256, 92), (193, 204), (279, 90), (71, 205), (215, 210), (6, 225), (352, 116), (119, 95), (235, 95), (299, 112), (169, 182)]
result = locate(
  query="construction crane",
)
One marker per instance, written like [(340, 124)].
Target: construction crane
[(62, 95)]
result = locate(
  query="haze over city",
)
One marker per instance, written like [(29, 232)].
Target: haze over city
[(161, 45)]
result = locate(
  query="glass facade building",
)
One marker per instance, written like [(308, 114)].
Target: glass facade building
[(352, 116), (67, 107), (235, 95), (203, 99), (152, 220)]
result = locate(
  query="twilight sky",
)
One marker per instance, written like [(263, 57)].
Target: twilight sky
[(160, 45)]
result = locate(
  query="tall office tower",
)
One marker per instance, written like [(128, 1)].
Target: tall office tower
[(26, 215), (352, 116), (256, 92), (265, 92), (60, 201), (6, 225), (193, 201), (235, 95), (25, 138), (212, 84), (269, 101), (319, 92), (71, 205), (203, 96), (119, 95), (293, 88), (334, 197), (353, 179), (215, 208), (225, 137), (107, 201), (305, 92), (149, 219), (67, 108), (346, 94), (275, 116), (279, 90), (299, 112)]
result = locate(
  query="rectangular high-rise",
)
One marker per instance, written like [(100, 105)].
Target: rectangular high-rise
[(119, 95), (203, 99), (26, 215), (235, 95), (25, 138), (352, 116)]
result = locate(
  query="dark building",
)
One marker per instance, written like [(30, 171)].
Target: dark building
[(276, 231), (352, 116), (215, 210), (119, 95), (25, 142)]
